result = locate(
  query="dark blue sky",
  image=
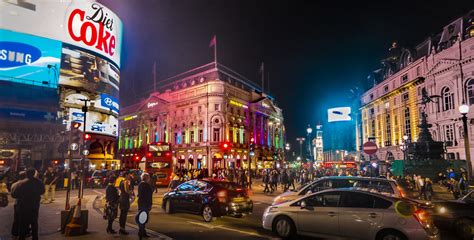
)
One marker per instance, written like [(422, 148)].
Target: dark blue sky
[(314, 52)]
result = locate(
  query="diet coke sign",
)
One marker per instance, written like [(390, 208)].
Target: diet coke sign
[(83, 23), (94, 28)]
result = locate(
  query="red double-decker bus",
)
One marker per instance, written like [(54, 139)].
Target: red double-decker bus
[(157, 160)]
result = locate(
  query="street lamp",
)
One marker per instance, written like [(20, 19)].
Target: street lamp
[(464, 109), (309, 130)]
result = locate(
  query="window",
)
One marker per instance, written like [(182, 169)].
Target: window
[(407, 122), (199, 109), (190, 110), (183, 137), (231, 135), (449, 133), (405, 97), (371, 96), (388, 130), (186, 186), (201, 136), (470, 91), (215, 135), (358, 200), (176, 140), (191, 136), (216, 107), (404, 78), (323, 200), (182, 112), (372, 111), (385, 89), (418, 71), (372, 128), (448, 99)]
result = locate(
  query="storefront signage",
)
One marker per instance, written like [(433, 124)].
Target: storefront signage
[(238, 104), (186, 104), (130, 118), (151, 104)]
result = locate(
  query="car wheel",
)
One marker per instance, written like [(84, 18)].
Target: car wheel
[(168, 207), (391, 235), (284, 227), (464, 228), (207, 214)]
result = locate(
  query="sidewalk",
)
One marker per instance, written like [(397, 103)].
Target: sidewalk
[(49, 222)]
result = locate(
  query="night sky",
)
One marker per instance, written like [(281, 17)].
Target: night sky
[(314, 52)]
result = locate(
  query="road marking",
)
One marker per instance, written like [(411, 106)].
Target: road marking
[(207, 225)]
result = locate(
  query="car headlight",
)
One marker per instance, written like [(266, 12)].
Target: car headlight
[(272, 209), (442, 210)]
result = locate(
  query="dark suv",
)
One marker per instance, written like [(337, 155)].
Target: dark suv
[(209, 198)]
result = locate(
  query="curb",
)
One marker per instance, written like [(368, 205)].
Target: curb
[(155, 234)]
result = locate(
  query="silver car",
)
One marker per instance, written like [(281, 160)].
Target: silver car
[(348, 213), (378, 185)]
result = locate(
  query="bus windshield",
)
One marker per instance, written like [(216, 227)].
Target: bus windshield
[(158, 148)]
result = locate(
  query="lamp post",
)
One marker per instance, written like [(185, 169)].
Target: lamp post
[(464, 109), (301, 141), (309, 130)]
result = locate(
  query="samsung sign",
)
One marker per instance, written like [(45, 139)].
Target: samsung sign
[(29, 59), (83, 23), (339, 114)]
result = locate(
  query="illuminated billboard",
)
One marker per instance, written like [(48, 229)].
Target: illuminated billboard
[(83, 23), (80, 69), (339, 114), (98, 123), (29, 59)]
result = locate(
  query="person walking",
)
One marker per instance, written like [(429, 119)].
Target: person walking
[(145, 201), (112, 201), (428, 189), (28, 196), (266, 180), (50, 179), (124, 201), (15, 225)]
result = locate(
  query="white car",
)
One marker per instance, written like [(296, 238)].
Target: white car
[(351, 214), (378, 185)]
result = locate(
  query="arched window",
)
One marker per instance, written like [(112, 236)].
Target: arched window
[(448, 99), (470, 91)]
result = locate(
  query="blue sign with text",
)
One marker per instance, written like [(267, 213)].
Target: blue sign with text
[(109, 102), (28, 59)]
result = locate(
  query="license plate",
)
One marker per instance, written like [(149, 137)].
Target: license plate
[(239, 199)]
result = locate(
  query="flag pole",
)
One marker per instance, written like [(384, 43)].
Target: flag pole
[(215, 50), (154, 76), (263, 76)]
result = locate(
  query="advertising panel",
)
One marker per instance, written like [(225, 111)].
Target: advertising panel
[(108, 102), (98, 123), (80, 69), (339, 114), (29, 59), (26, 115), (83, 23)]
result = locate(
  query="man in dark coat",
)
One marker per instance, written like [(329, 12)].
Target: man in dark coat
[(28, 195), (112, 197), (15, 226), (145, 201)]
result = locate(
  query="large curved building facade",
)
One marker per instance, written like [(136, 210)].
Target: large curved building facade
[(54, 55)]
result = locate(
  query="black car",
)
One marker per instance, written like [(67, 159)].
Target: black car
[(97, 179), (457, 215), (209, 198)]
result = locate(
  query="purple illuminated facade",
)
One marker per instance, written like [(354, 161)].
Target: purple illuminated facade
[(196, 112)]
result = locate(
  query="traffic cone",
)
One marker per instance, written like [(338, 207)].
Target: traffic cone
[(74, 228)]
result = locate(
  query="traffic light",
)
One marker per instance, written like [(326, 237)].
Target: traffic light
[(87, 137), (75, 137), (225, 146), (76, 125)]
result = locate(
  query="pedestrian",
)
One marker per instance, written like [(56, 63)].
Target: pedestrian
[(154, 183), (111, 208), (428, 189), (28, 197), (145, 200), (50, 179), (15, 225), (124, 201), (266, 180), (421, 187)]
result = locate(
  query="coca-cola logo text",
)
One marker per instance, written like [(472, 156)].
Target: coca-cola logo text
[(89, 33)]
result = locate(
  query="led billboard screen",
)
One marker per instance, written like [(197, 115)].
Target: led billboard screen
[(339, 114), (99, 123), (29, 59), (81, 69)]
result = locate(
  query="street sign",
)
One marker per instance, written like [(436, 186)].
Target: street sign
[(74, 146), (369, 148), (85, 152)]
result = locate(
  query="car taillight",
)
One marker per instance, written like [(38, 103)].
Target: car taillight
[(222, 196), (402, 193), (425, 221)]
